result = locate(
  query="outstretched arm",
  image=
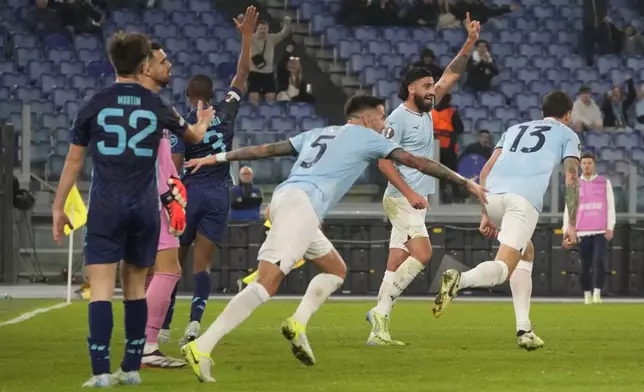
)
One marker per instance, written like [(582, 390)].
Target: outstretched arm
[(426, 166), (571, 169), (437, 170), (251, 153), (457, 67)]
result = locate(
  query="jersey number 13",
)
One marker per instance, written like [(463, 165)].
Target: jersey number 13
[(538, 132)]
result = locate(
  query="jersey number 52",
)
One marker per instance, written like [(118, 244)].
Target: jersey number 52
[(122, 141), (538, 132)]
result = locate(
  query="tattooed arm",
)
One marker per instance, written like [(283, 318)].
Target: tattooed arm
[(571, 169), (279, 149), (457, 67), (437, 170)]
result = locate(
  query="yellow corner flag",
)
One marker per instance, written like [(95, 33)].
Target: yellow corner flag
[(75, 210)]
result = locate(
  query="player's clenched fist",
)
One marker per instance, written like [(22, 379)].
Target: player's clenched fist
[(175, 212), (178, 191)]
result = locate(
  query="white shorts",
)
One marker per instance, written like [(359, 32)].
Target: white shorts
[(295, 231), (406, 222), (516, 218)]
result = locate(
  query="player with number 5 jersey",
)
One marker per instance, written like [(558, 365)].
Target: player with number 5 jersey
[(329, 161), (208, 190), (519, 174)]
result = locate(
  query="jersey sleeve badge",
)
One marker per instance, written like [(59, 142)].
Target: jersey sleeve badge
[(388, 133)]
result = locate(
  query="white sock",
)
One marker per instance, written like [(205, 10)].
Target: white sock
[(597, 291), (588, 294), (387, 282), (237, 310), (486, 274), (403, 276), (521, 285), (318, 291), (150, 348)]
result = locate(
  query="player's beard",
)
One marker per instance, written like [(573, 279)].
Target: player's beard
[(425, 104)]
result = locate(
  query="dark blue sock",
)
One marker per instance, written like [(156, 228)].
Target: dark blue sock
[(101, 322), (200, 296), (170, 314), (136, 317)]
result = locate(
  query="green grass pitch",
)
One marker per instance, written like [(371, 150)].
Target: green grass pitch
[(471, 348)]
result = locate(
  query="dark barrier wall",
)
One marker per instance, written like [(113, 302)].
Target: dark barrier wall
[(364, 247)]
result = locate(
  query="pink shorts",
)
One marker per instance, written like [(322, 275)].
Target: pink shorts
[(166, 240)]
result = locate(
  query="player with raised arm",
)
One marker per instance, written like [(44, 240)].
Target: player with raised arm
[(208, 191), (405, 199), (122, 125), (329, 160), (523, 163), (167, 270)]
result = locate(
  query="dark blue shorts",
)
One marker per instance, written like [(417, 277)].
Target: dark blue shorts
[(122, 232), (207, 212)]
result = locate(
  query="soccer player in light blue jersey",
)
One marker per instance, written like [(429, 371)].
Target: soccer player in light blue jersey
[(521, 166), (329, 161), (405, 200)]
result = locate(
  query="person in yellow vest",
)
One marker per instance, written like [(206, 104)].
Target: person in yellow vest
[(248, 279), (447, 127)]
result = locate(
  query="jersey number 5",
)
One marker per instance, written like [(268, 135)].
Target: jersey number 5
[(538, 132), (121, 134), (322, 149)]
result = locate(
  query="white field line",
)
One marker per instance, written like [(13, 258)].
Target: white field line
[(33, 313)]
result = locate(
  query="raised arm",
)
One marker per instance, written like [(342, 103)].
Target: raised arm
[(437, 170), (393, 176), (246, 28), (457, 67)]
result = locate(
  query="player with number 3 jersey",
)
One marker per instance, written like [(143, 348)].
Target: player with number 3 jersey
[(208, 190)]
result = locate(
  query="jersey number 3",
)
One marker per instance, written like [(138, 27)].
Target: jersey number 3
[(538, 132), (318, 143), (121, 134)]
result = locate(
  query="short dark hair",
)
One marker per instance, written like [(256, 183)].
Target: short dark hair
[(359, 103), (588, 155), (200, 87), (262, 22), (556, 104), (585, 90), (127, 51), (154, 45), (485, 131), (412, 74)]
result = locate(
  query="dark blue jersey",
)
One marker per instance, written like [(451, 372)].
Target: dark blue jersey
[(122, 125), (219, 138)]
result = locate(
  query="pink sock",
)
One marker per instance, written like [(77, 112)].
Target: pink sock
[(148, 280), (158, 299)]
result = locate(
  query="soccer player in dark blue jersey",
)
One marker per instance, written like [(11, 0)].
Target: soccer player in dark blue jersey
[(208, 191), (122, 126)]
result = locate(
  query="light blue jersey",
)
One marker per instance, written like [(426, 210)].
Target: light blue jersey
[(331, 159), (415, 133), (530, 153)]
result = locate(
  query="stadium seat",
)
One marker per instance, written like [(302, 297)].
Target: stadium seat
[(267, 110), (311, 122)]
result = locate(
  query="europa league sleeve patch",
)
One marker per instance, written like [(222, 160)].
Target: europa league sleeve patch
[(388, 133), (173, 140)]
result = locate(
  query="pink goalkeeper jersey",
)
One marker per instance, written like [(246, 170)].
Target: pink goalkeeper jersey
[(164, 162)]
